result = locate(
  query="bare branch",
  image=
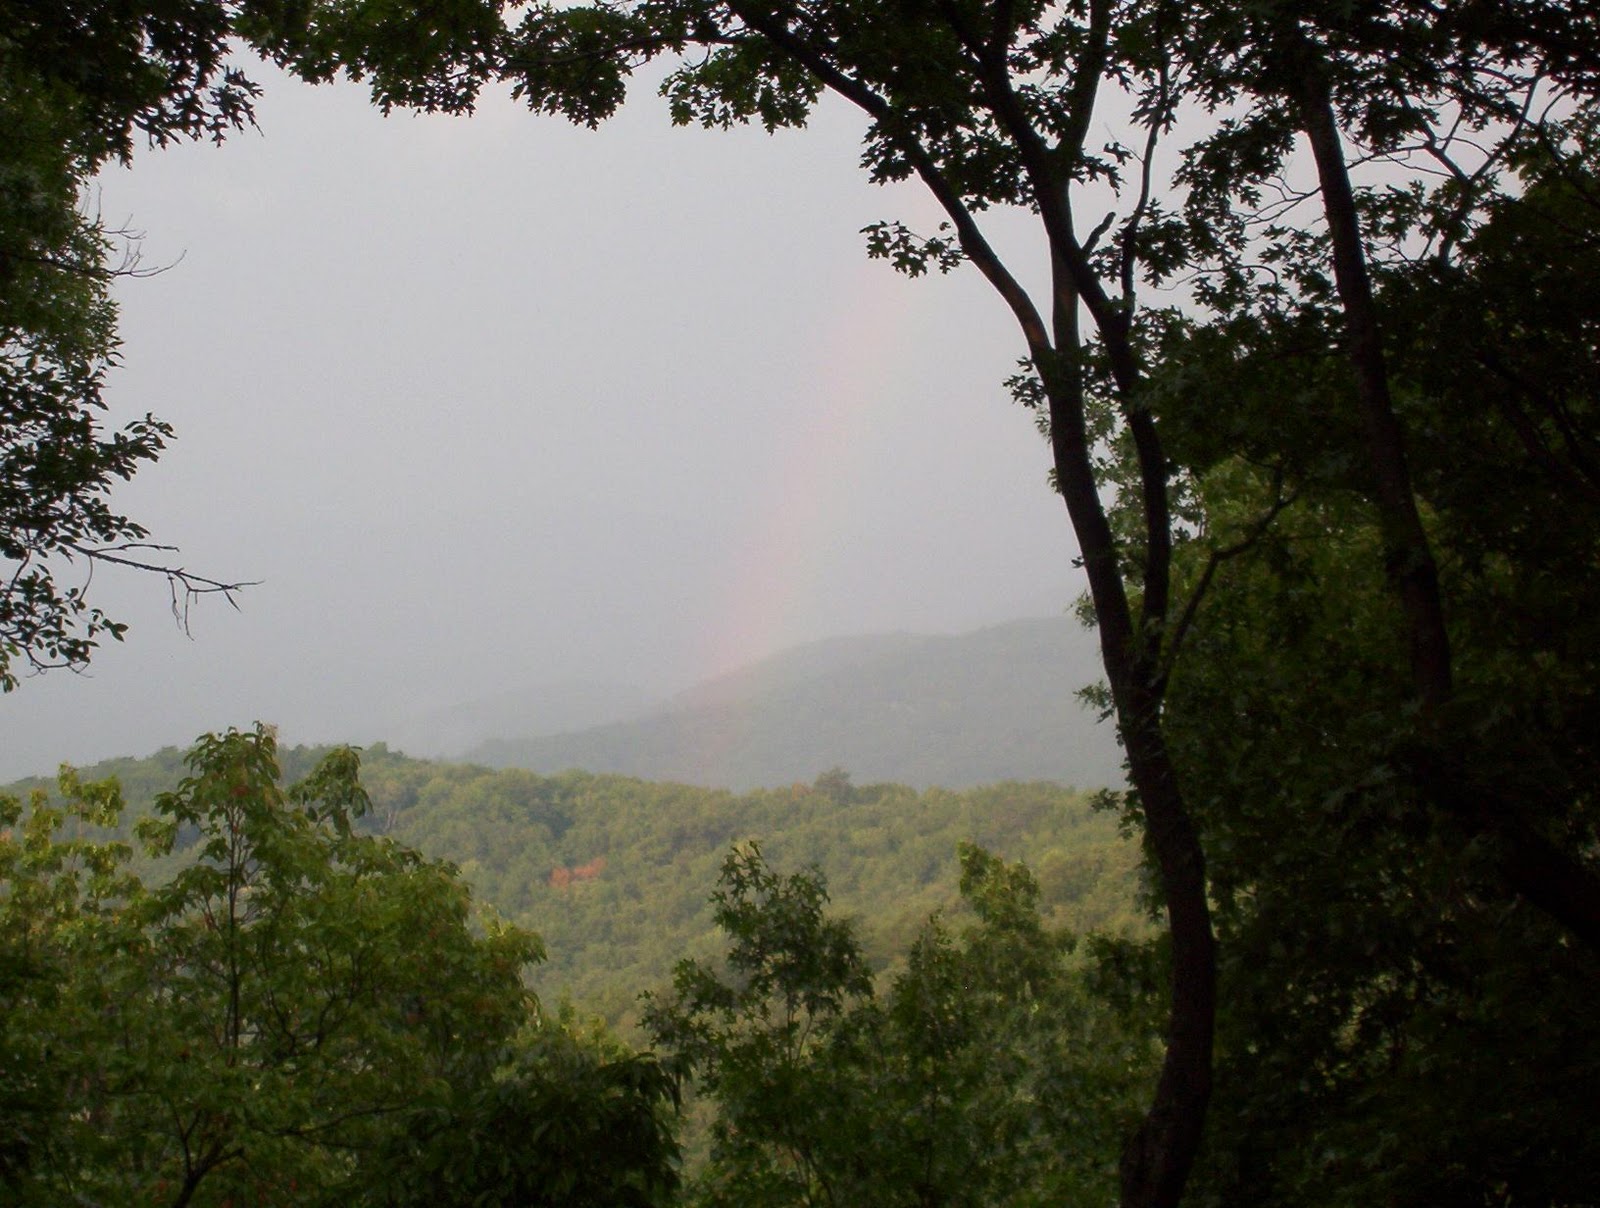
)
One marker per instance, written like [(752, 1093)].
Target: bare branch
[(192, 586)]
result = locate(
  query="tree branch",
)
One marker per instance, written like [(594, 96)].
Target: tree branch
[(973, 241), (1253, 534), (193, 586)]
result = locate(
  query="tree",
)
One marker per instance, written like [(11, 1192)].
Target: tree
[(984, 1074), (56, 889), (570, 1121), (1380, 964), (275, 1019), (753, 1036), (1480, 92), (77, 82), (1402, 838)]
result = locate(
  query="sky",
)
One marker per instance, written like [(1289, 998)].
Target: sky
[(492, 405)]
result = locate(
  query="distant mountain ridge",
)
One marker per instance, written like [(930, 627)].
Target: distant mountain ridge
[(444, 733), (924, 710), (793, 666)]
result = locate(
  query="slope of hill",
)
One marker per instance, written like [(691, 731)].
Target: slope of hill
[(921, 710)]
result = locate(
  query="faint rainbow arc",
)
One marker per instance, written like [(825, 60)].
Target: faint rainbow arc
[(815, 492)]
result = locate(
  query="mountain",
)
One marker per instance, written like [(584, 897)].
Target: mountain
[(915, 709)]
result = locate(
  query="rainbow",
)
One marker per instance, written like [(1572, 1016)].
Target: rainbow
[(809, 508)]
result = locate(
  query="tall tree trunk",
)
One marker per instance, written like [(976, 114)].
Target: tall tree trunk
[(1159, 1156), (1408, 555)]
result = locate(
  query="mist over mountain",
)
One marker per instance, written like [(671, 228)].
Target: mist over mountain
[(999, 703), (443, 733)]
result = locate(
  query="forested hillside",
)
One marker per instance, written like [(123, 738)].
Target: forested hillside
[(998, 704), (615, 874)]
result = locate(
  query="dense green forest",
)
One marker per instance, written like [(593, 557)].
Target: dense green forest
[(615, 874), (317, 942), (1311, 334)]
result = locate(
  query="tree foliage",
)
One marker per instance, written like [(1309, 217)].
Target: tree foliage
[(984, 1074), (274, 1021), (78, 83), (1394, 876), (570, 1121)]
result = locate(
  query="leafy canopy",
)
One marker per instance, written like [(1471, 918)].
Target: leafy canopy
[(985, 1073), (302, 1014)]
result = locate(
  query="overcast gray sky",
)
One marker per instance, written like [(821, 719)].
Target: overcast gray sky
[(494, 403)]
